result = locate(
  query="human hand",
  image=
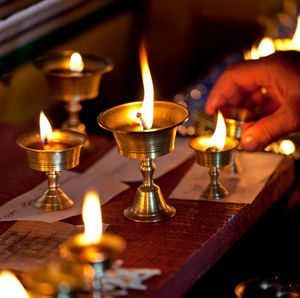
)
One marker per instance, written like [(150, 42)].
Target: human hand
[(241, 85)]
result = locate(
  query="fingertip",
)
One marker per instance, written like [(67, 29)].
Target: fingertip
[(249, 143), (209, 110)]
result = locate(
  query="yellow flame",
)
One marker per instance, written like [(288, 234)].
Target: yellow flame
[(76, 63), (287, 147), (92, 218), (147, 107), (45, 129), (10, 286), (290, 44), (266, 47), (296, 37), (254, 53), (219, 137)]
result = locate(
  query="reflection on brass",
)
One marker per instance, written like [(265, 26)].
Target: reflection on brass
[(100, 255), (214, 160), (58, 279), (73, 86), (149, 204), (53, 162)]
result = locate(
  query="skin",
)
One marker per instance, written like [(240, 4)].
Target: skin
[(241, 85)]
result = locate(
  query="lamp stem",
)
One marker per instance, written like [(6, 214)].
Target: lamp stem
[(149, 204), (215, 189), (53, 181), (214, 176), (147, 169), (98, 274), (73, 122)]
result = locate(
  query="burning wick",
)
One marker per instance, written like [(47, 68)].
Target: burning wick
[(46, 142), (212, 149), (142, 121)]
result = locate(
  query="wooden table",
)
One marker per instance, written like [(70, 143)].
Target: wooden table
[(185, 247)]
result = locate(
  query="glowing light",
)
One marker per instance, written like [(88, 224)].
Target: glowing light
[(219, 137), (76, 63), (287, 147), (266, 47), (45, 129), (290, 44), (254, 53), (296, 37), (10, 286), (92, 218), (147, 107)]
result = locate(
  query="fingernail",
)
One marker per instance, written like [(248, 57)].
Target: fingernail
[(249, 144)]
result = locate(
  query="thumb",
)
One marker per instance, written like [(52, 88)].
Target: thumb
[(268, 129)]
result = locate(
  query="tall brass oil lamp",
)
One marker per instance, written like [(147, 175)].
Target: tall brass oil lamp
[(51, 152), (145, 130), (214, 152), (93, 247), (73, 78)]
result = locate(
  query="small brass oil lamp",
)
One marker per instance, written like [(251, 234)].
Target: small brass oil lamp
[(73, 78), (214, 152), (51, 152), (145, 130), (92, 247)]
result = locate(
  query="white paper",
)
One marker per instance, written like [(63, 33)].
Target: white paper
[(127, 169), (243, 188), (74, 185), (29, 244)]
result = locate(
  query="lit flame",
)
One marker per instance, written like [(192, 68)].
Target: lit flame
[(287, 147), (296, 37), (92, 218), (266, 47), (147, 107), (76, 63), (218, 138), (290, 44), (45, 129), (10, 286), (254, 53)]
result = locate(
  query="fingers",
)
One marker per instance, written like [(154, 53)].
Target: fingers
[(236, 80), (257, 135)]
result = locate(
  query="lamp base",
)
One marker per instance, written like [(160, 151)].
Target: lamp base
[(149, 206), (215, 189), (215, 193), (54, 200)]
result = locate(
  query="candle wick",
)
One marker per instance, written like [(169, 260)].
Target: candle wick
[(46, 142), (212, 149), (142, 121)]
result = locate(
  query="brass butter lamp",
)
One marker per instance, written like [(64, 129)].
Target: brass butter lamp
[(73, 78), (133, 142), (214, 152), (93, 247), (145, 130), (52, 152)]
